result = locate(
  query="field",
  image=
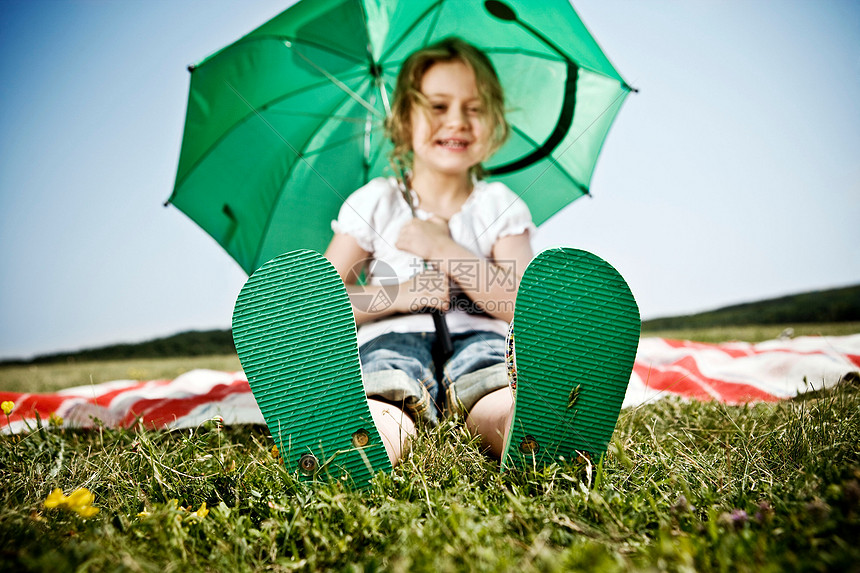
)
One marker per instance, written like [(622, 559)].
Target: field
[(75, 371), (684, 487)]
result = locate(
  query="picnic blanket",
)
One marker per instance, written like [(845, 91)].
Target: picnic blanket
[(733, 373)]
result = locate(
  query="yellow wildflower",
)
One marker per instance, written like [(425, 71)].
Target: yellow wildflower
[(80, 497), (7, 406), (202, 512), (55, 499), (55, 420), (80, 501), (87, 511)]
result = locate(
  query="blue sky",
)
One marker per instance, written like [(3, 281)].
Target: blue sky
[(732, 176)]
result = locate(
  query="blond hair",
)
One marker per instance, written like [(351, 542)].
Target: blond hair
[(407, 95)]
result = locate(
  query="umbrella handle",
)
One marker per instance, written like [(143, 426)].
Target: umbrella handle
[(444, 346), (443, 336)]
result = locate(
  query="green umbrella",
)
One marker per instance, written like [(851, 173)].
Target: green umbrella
[(286, 122)]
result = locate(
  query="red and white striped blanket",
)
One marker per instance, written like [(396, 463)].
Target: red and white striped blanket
[(733, 373)]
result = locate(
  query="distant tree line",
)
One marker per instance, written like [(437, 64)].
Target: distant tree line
[(834, 305), (190, 343)]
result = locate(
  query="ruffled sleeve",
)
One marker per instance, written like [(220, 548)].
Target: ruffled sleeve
[(357, 214), (516, 218), (493, 212)]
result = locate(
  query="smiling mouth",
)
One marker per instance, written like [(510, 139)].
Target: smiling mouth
[(455, 144)]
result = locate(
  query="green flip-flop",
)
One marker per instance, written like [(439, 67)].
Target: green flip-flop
[(576, 331), (294, 332)]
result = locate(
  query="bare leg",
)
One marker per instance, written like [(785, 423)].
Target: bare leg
[(394, 426), (490, 418)]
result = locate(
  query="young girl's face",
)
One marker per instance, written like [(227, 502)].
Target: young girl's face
[(452, 135)]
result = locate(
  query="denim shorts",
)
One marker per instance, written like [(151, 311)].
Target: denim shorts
[(398, 367)]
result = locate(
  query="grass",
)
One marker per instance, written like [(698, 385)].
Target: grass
[(684, 487), (697, 486)]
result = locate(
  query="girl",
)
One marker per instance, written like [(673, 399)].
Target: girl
[(437, 229), (472, 236)]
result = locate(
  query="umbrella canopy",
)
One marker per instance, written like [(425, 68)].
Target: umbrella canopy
[(286, 122)]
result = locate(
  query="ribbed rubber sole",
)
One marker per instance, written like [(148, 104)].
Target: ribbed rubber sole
[(576, 331), (294, 332)]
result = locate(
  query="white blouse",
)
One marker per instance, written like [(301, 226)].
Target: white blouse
[(374, 214)]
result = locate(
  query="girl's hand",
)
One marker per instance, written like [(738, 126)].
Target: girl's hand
[(424, 291), (424, 238)]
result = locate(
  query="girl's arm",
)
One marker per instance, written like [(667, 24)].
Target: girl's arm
[(425, 290), (491, 285)]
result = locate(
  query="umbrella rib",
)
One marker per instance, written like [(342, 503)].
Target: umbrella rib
[(408, 32), (303, 157), (339, 84), (552, 163), (343, 118), (535, 144), (264, 107), (299, 155), (282, 38), (523, 52), (336, 143), (525, 136), (432, 27), (559, 132), (376, 154), (582, 187)]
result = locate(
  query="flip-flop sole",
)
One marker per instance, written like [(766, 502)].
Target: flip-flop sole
[(576, 331), (294, 332)]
